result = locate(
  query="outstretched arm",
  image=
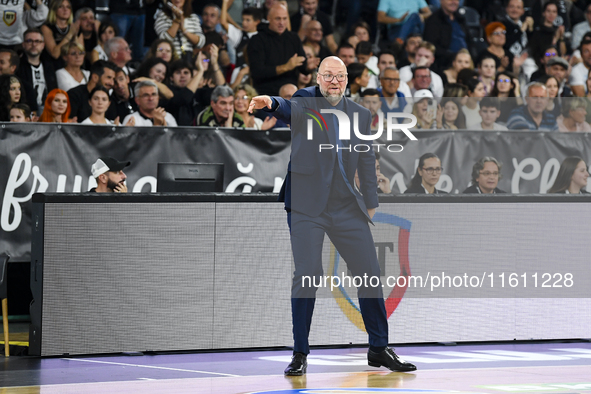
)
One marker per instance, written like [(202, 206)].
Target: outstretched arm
[(260, 102), (279, 107)]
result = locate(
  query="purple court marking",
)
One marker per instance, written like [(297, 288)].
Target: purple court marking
[(22, 371)]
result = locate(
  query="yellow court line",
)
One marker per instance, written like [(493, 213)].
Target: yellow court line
[(17, 343)]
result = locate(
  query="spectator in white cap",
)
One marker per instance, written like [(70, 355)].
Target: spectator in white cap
[(424, 109), (109, 175)]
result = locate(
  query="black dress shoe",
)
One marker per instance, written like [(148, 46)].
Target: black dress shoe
[(298, 365), (387, 358)]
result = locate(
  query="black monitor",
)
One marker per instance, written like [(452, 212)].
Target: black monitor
[(190, 177)]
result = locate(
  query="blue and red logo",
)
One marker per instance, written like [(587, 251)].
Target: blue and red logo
[(393, 299)]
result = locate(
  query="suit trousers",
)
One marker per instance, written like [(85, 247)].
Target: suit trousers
[(348, 229)]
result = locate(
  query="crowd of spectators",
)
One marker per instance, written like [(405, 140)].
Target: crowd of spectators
[(203, 62)]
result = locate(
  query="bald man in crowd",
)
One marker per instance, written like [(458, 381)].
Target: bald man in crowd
[(287, 91), (276, 54)]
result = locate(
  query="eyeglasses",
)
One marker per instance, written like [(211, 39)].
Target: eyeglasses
[(77, 53), (241, 97), (330, 77), (167, 50), (431, 170), (29, 41), (504, 80), (391, 79), (499, 33), (423, 76), (550, 54), (488, 173)]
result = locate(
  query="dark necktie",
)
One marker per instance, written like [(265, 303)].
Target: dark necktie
[(340, 153)]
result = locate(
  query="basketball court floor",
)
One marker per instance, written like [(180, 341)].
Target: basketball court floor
[(557, 367)]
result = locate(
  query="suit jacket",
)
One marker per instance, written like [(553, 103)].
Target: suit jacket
[(307, 186)]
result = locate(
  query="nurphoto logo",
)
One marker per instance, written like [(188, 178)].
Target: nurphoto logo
[(344, 122)]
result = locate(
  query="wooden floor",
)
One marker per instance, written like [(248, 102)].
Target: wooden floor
[(547, 367)]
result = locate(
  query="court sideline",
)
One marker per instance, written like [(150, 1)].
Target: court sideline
[(543, 367)]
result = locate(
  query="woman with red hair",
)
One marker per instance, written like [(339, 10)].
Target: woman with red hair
[(495, 34), (57, 107)]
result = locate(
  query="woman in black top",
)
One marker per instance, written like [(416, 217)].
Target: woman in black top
[(11, 92), (547, 34), (427, 175), (572, 177), (59, 30)]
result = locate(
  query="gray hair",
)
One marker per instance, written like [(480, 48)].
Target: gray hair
[(221, 91), (143, 84), (479, 165), (536, 85), (212, 5), (390, 68), (113, 45), (81, 11), (571, 104)]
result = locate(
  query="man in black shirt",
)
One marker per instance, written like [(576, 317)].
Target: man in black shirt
[(309, 11), (109, 175), (85, 16), (123, 98), (516, 37), (184, 85), (276, 55), (447, 30), (9, 64), (411, 44), (36, 67), (102, 73)]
